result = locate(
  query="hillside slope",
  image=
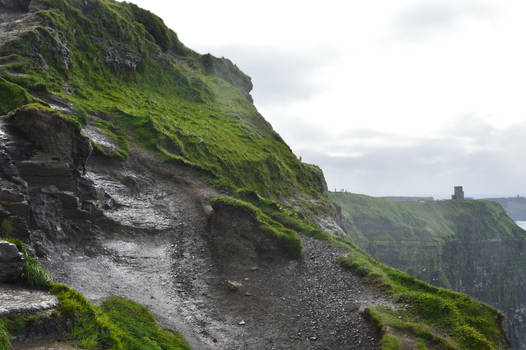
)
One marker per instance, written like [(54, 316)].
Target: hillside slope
[(469, 246), (118, 69), (134, 166)]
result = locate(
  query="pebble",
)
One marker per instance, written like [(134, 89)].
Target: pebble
[(242, 323)]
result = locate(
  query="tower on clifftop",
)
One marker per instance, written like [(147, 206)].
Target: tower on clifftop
[(459, 193)]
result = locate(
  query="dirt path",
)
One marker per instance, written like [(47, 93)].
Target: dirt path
[(310, 303)]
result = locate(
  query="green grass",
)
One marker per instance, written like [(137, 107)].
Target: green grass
[(33, 275), (433, 315), (390, 342), (176, 103), (12, 96), (378, 221), (119, 324), (141, 329)]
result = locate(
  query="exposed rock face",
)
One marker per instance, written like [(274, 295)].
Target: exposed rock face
[(119, 57), (11, 261), (236, 239), (59, 138), (37, 305)]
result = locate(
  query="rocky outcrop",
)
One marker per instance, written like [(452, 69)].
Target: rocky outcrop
[(36, 309), (228, 71), (119, 57), (11, 262), (60, 138), (236, 237)]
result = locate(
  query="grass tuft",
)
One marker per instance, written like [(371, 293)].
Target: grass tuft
[(33, 275)]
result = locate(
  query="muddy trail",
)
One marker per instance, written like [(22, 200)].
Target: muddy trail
[(153, 248), (141, 230)]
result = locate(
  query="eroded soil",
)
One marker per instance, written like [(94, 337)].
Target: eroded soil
[(152, 248)]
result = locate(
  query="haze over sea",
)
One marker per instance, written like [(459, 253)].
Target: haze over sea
[(521, 224)]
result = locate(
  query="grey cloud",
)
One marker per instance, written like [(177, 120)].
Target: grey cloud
[(433, 167), (429, 18), (281, 76)]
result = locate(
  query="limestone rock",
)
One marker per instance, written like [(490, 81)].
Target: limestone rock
[(11, 261), (233, 285)]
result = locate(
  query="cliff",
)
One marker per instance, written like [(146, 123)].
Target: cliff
[(469, 246), (134, 166), (514, 206)]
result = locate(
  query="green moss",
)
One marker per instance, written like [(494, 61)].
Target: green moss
[(142, 330), (5, 341), (118, 324), (390, 342), (6, 227), (185, 107), (12, 96)]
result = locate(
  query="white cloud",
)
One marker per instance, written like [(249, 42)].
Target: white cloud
[(411, 96), (423, 19)]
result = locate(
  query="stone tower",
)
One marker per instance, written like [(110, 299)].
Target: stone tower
[(459, 193)]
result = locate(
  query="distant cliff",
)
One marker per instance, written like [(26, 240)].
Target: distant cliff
[(469, 246), (514, 206)]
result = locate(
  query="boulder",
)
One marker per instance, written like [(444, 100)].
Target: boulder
[(11, 261)]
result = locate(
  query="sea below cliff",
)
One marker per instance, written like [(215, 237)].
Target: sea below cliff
[(522, 224)]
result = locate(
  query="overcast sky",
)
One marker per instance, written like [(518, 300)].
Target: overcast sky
[(389, 97)]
